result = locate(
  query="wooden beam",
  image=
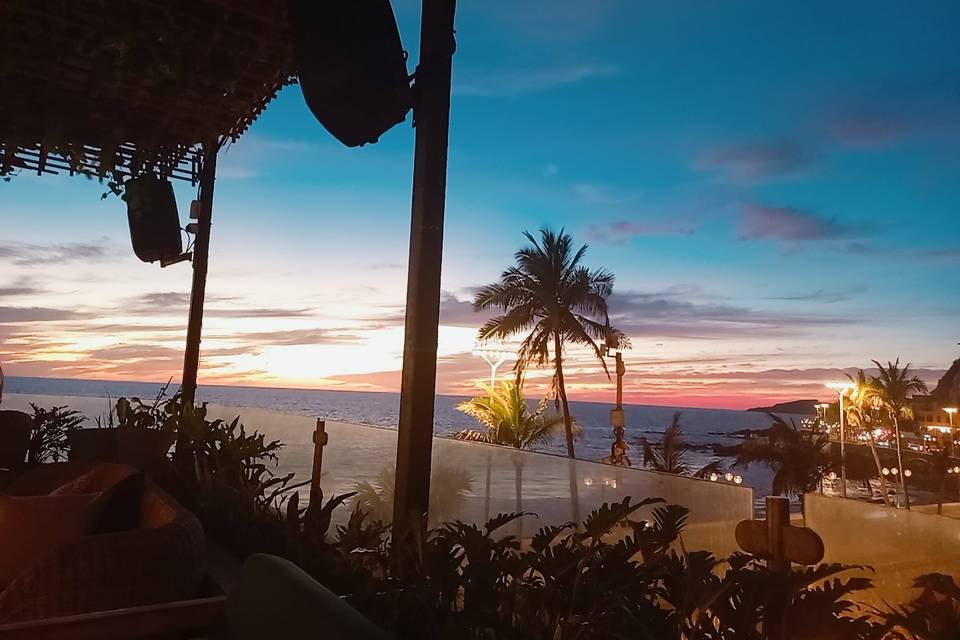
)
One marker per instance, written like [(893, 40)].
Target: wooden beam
[(431, 118), (201, 251)]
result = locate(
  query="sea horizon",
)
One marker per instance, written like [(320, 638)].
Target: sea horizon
[(174, 386)]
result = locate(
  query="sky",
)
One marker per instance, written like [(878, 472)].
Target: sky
[(775, 186)]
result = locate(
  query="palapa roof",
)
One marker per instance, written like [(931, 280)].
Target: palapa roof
[(113, 88)]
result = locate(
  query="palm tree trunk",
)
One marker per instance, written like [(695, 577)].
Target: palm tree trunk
[(903, 483), (518, 488), (562, 392), (876, 459)]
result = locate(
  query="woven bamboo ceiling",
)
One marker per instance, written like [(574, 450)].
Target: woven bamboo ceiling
[(121, 87)]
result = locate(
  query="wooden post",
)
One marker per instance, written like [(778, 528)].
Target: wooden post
[(201, 250), (778, 518), (320, 440), (431, 117)]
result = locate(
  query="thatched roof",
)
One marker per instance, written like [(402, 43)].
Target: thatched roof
[(121, 87)]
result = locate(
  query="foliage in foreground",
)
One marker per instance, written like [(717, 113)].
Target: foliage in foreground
[(611, 576)]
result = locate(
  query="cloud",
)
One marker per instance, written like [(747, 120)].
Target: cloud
[(622, 231), (785, 224), (517, 82), (28, 255), (591, 193), (22, 287), (15, 315), (871, 130), (749, 163), (829, 296), (672, 314), (294, 337)]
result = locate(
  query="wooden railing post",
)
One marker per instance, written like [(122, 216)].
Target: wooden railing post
[(320, 439)]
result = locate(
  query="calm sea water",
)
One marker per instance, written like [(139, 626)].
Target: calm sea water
[(700, 426)]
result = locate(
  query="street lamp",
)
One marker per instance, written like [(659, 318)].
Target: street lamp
[(822, 413), (493, 357), (842, 388), (950, 411), (618, 450)]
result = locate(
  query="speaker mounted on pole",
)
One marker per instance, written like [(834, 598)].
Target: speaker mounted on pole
[(351, 66)]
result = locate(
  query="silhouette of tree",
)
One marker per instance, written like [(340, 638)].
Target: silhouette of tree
[(556, 301), (669, 455), (892, 390), (799, 459)]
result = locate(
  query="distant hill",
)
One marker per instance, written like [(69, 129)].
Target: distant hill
[(798, 407)]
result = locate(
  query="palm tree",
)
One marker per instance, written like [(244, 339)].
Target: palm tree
[(549, 295), (860, 409), (799, 459), (891, 390), (507, 419), (669, 455), (503, 411)]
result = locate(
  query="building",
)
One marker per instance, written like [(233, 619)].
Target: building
[(928, 409)]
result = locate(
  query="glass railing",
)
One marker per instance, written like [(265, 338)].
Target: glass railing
[(471, 481), (897, 544)]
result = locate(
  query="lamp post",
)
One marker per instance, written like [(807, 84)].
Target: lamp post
[(841, 388), (618, 451), (493, 357), (822, 413), (950, 411), (894, 471)]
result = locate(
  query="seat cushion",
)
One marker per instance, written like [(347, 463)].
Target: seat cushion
[(33, 527)]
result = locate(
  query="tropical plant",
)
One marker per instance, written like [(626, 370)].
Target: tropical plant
[(48, 434), (799, 459), (669, 454), (861, 409), (556, 301), (449, 486), (507, 419), (933, 615), (891, 390)]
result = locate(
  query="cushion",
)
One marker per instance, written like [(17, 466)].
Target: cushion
[(32, 527), (121, 511)]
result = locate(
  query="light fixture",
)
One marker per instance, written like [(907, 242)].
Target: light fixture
[(907, 473), (894, 471), (832, 476), (886, 471), (738, 479), (713, 477), (728, 476), (842, 388), (587, 482)]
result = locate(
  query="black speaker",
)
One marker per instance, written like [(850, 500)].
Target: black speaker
[(351, 65), (154, 221)]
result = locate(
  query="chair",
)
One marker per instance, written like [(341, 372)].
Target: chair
[(15, 427), (273, 598)]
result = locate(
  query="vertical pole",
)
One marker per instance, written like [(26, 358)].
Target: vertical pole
[(778, 517), (320, 440), (431, 117), (620, 371), (843, 450), (201, 249)]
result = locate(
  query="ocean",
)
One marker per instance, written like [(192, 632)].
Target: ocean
[(701, 427)]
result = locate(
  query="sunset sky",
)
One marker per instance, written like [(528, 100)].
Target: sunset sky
[(775, 185)]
